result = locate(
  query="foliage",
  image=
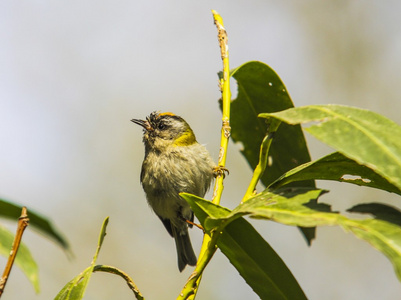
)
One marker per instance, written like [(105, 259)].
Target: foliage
[(75, 289), (249, 253), (24, 259), (367, 154), (12, 211)]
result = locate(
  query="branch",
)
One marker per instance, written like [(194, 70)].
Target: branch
[(22, 224), (226, 97), (113, 270), (209, 241), (207, 251)]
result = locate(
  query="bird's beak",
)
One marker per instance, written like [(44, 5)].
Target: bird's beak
[(145, 124)]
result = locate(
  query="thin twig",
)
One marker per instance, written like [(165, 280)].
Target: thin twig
[(22, 224), (128, 280)]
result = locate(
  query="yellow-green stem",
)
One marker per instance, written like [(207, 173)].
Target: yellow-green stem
[(263, 159), (128, 280), (209, 248), (226, 98), (209, 241)]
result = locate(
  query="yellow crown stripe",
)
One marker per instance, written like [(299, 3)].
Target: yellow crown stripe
[(167, 114)]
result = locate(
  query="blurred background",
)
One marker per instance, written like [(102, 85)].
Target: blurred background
[(74, 73)]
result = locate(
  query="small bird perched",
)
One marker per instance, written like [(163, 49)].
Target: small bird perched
[(174, 162)]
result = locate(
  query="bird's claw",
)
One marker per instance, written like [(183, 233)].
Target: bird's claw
[(220, 171)]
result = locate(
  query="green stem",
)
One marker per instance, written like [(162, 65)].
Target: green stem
[(208, 249), (226, 97), (263, 159), (209, 241), (113, 270)]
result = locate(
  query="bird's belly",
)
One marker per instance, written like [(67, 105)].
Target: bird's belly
[(168, 175)]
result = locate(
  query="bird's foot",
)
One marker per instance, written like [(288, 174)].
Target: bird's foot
[(220, 171)]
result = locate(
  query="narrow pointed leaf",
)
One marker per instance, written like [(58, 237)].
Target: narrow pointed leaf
[(13, 211), (336, 167), (75, 289), (250, 254), (361, 135), (23, 260)]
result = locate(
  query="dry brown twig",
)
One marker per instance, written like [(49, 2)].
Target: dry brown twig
[(23, 222)]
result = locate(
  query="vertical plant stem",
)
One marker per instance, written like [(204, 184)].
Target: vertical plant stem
[(226, 98), (209, 248), (263, 159), (22, 224), (209, 241)]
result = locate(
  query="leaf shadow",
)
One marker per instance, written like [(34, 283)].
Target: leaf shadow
[(380, 211)]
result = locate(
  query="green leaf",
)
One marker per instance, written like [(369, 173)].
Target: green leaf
[(255, 260), (290, 206), (203, 209), (258, 263), (23, 260), (75, 289), (383, 235), (361, 135), (337, 167), (260, 90), (298, 207), (13, 211)]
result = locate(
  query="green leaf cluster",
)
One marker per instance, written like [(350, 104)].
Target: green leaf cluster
[(366, 154)]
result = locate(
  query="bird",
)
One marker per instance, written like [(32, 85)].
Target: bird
[(174, 162)]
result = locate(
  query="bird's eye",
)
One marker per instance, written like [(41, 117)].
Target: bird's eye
[(161, 126)]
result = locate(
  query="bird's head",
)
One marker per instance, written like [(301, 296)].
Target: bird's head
[(162, 130)]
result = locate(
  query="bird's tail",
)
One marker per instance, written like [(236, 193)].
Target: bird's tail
[(185, 252)]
